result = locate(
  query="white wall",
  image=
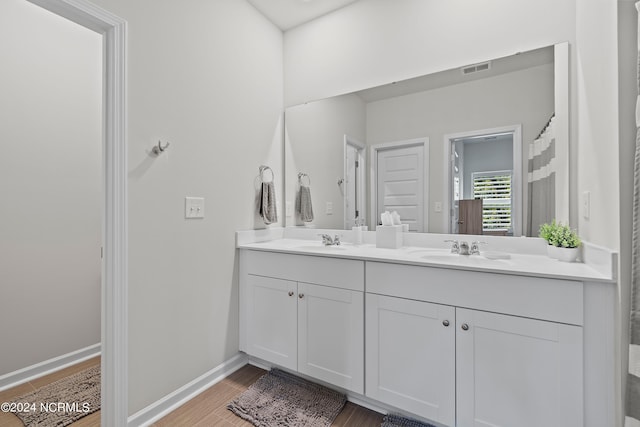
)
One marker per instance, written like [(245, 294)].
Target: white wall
[(206, 76), (50, 181), (597, 79), (375, 42), (523, 97), (314, 144)]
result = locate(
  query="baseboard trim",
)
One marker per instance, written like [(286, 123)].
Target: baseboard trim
[(173, 400), (23, 375)]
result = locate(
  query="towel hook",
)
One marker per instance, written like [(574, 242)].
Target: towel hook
[(302, 175), (264, 168), (157, 149)]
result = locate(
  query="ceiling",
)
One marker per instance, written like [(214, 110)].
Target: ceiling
[(286, 14)]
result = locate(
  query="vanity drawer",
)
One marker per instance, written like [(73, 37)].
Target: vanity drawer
[(339, 273), (539, 298)]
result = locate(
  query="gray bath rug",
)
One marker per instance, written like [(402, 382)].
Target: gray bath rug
[(62, 402), (281, 399), (392, 420)]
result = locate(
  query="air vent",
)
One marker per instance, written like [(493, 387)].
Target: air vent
[(475, 68)]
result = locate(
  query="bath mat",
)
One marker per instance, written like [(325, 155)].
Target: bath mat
[(392, 420), (281, 399), (62, 402)]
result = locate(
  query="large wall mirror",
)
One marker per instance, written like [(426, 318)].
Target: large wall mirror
[(481, 149)]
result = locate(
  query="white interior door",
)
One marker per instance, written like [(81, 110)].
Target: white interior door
[(401, 184)]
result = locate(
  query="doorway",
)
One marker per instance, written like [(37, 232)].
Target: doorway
[(354, 188), (399, 181), (483, 184), (113, 335), (50, 176)]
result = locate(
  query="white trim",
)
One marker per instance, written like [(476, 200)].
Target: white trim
[(49, 366), (516, 179), (114, 266), (173, 400), (362, 175), (373, 181), (561, 129)]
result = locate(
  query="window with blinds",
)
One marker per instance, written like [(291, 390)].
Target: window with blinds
[(494, 188)]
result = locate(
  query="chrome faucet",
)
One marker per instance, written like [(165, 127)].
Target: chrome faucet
[(455, 246), (475, 247), (328, 241), (463, 248)]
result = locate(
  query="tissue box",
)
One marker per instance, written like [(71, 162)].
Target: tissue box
[(389, 236)]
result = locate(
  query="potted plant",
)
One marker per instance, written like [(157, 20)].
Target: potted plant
[(564, 242)]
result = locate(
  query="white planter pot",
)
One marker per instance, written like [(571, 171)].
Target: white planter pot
[(563, 254)]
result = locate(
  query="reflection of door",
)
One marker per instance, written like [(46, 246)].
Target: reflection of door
[(354, 188), (470, 216), (400, 184)]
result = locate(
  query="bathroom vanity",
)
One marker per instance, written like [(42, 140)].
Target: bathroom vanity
[(469, 341)]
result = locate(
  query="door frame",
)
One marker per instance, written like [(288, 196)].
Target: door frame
[(373, 167), (516, 178), (114, 397), (362, 175)]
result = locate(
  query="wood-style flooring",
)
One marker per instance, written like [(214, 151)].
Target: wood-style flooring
[(209, 409), (10, 420)]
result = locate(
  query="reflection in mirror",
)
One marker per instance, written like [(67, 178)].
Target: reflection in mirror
[(389, 147)]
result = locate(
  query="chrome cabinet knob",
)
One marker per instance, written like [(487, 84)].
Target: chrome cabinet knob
[(290, 293), (445, 322), (465, 327), (300, 296)]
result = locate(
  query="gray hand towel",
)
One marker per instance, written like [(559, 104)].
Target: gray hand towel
[(268, 203), (304, 204)]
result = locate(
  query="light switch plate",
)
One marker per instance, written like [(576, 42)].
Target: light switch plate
[(288, 209), (329, 208), (193, 207), (437, 206), (586, 204)]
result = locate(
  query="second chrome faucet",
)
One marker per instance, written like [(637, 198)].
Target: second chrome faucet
[(463, 248)]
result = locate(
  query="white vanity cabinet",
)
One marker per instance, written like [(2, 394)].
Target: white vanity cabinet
[(304, 313), (475, 349)]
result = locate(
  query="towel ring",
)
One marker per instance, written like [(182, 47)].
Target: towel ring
[(263, 169), (301, 176)]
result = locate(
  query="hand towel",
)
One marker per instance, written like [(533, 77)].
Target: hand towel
[(268, 203), (304, 207)]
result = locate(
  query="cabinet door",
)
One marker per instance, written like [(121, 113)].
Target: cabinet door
[(513, 371), (410, 356), (271, 320), (331, 335)]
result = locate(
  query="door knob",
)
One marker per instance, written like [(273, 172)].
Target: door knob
[(445, 322), (290, 293), (465, 327), (300, 296)]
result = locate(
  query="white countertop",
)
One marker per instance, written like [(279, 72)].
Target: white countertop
[(524, 263)]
